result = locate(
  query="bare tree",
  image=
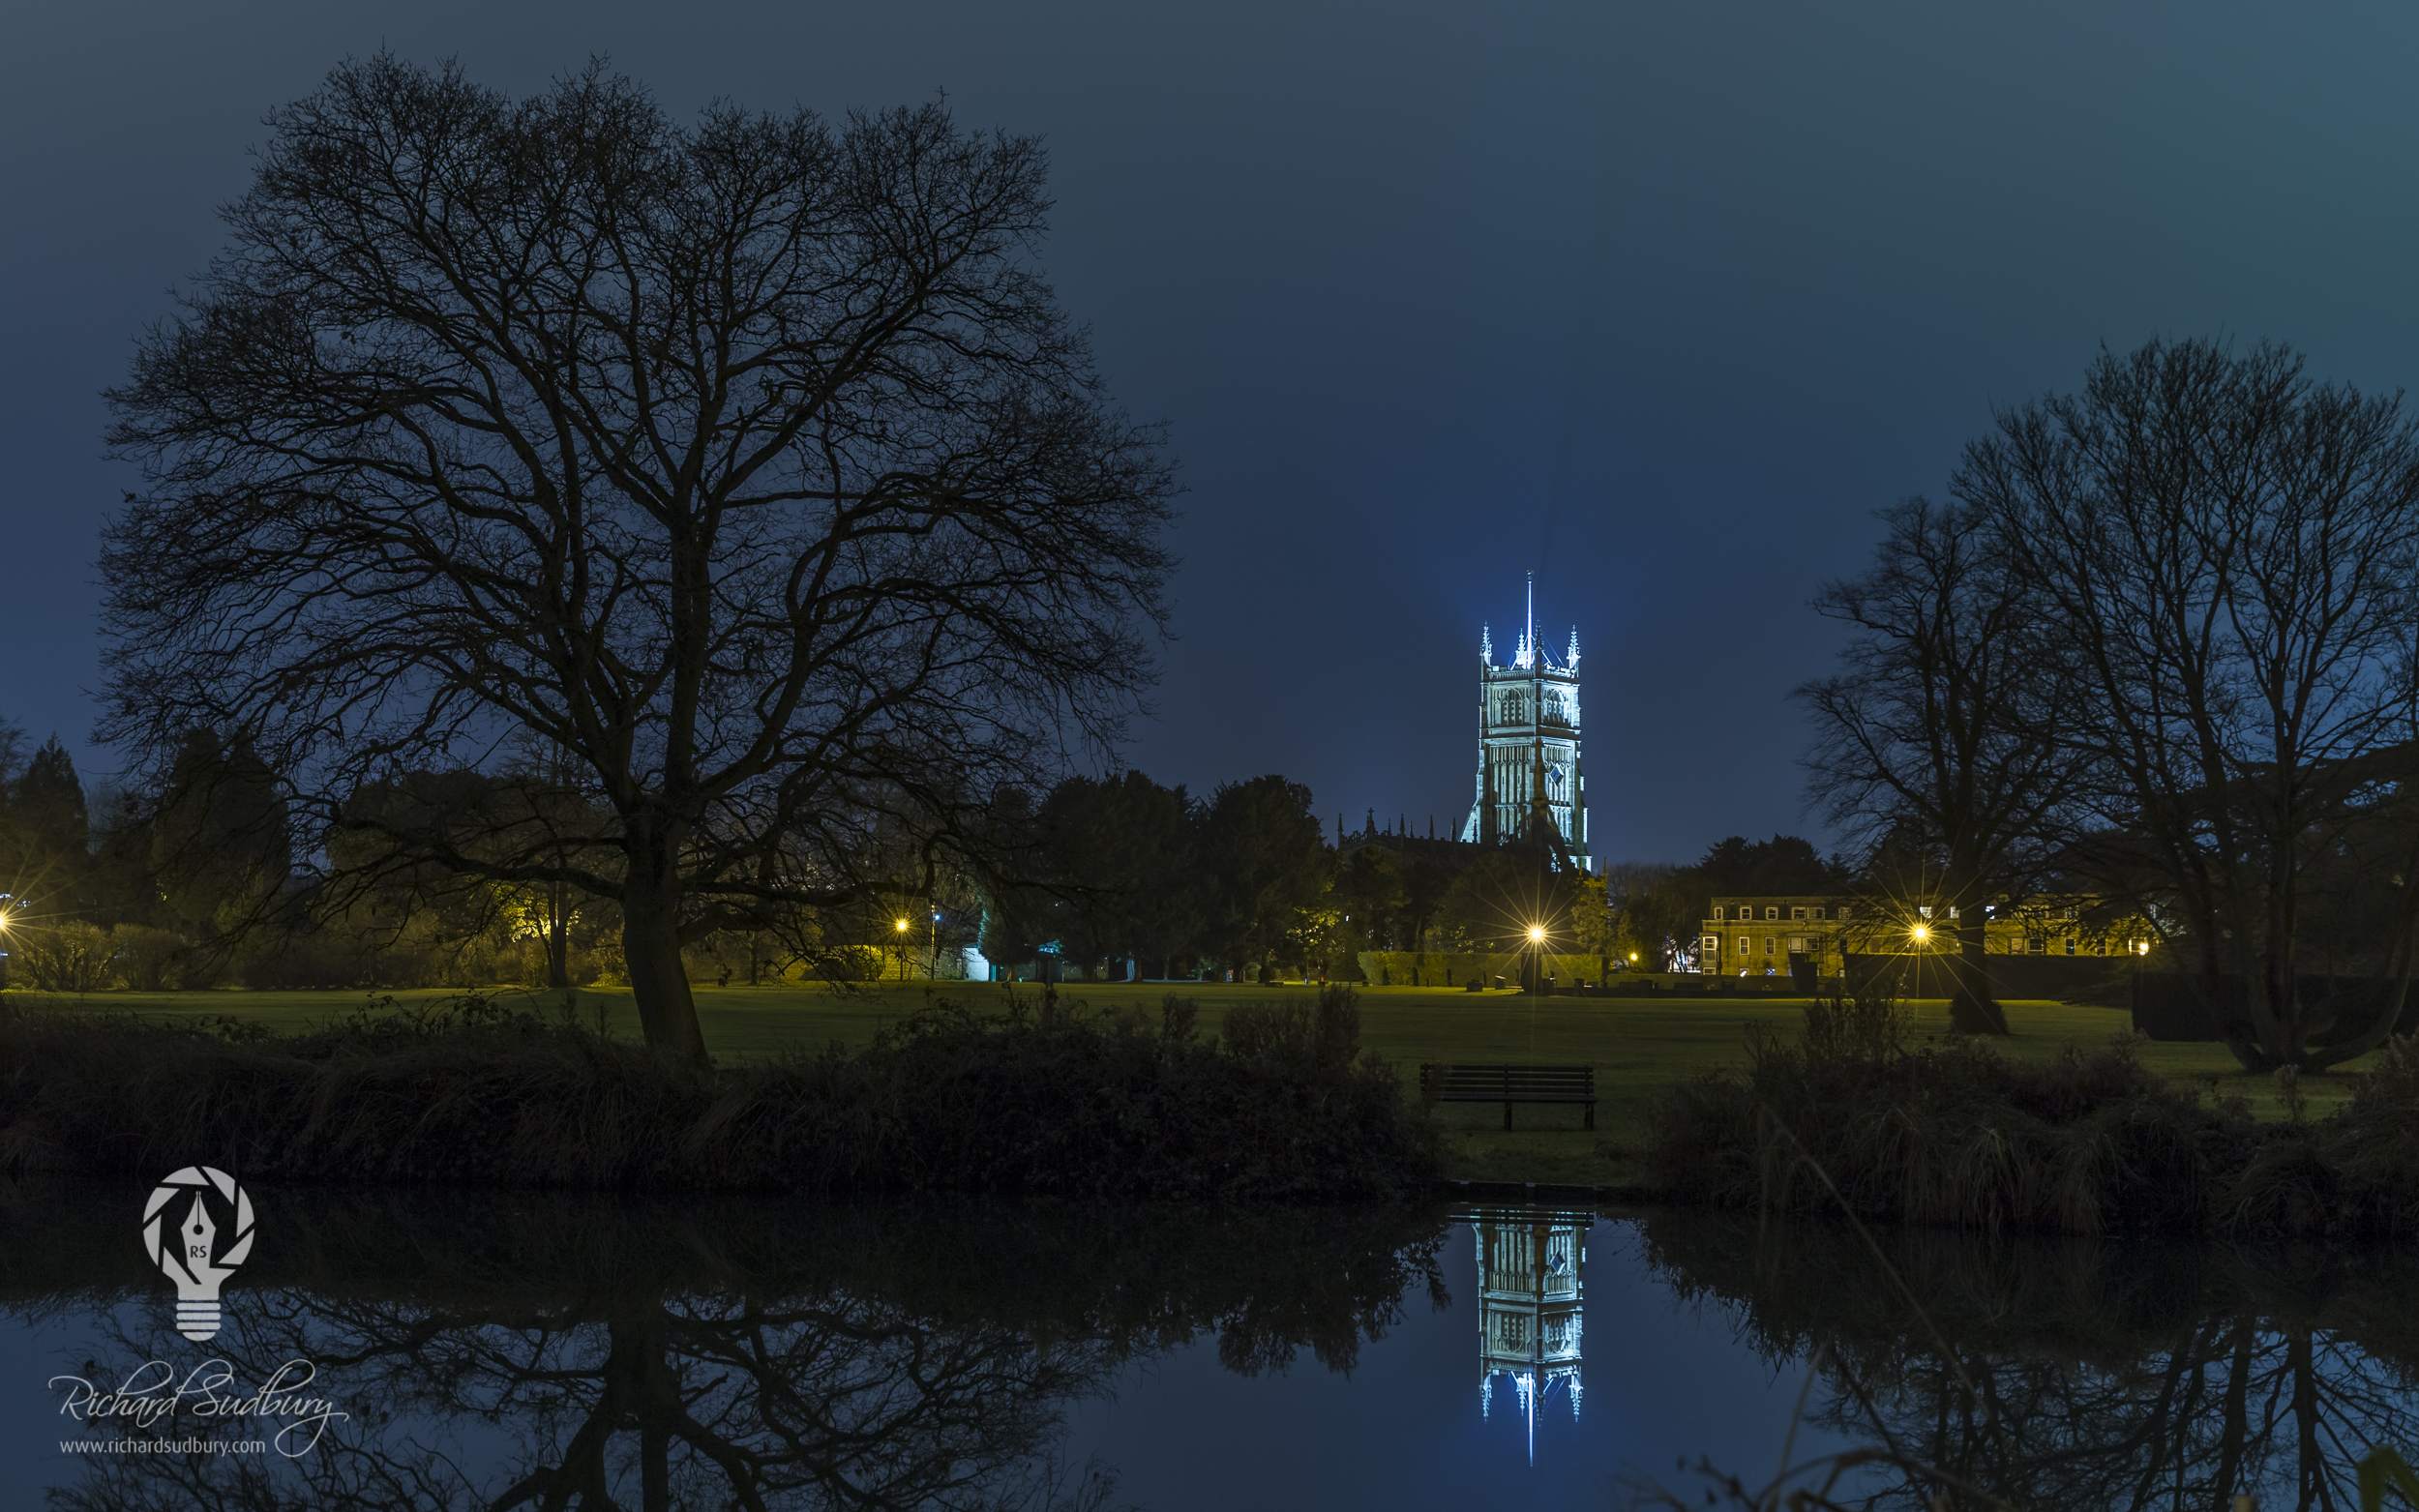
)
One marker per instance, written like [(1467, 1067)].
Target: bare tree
[(749, 463), (2226, 552), (1925, 735)]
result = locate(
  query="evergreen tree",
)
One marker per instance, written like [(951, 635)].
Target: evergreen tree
[(220, 848), (45, 837)]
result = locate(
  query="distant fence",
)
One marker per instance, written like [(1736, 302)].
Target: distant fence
[(2175, 1005)]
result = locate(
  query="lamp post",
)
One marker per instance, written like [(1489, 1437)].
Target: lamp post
[(1536, 958), (902, 929), (931, 949)]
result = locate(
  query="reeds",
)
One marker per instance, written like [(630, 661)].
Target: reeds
[(1848, 1118), (1052, 1101)]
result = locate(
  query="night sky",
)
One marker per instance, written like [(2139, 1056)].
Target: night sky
[(1659, 302)]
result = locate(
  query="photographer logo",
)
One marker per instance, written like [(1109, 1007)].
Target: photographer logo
[(181, 1231)]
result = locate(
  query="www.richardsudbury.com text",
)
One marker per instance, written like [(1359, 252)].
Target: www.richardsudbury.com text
[(154, 1394), (164, 1446)]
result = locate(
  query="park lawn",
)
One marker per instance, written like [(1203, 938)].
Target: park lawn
[(1639, 1046)]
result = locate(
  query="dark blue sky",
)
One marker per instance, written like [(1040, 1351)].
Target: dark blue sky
[(1658, 300)]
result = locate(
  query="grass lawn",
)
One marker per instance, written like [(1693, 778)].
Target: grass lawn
[(1637, 1044)]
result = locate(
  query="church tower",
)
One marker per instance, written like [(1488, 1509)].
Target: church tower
[(1529, 745)]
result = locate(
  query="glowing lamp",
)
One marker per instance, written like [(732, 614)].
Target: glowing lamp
[(1537, 934), (903, 925), (1922, 934)]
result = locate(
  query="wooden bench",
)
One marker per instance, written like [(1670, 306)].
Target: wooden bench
[(1510, 1084)]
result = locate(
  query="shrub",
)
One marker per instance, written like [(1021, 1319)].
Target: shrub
[(149, 960), (1048, 1101), (73, 956), (1846, 1118)]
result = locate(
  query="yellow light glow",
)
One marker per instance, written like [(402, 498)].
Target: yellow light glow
[(1922, 934), (1633, 955), (903, 925), (1537, 931)]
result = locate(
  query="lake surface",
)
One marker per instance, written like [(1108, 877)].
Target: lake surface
[(458, 1350)]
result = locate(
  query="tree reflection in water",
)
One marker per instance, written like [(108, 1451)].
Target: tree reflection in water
[(2082, 1373), (582, 1353)]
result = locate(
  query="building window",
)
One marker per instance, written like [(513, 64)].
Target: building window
[(1952, 912), (1772, 913), (1800, 943), (1768, 944), (1841, 913), (2037, 944), (1743, 944), (2070, 944), (1514, 707), (1818, 914), (1717, 910), (1713, 943), (1925, 911), (1797, 913)]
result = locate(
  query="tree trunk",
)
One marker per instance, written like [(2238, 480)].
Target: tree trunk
[(1971, 1008), (558, 939), (650, 948)]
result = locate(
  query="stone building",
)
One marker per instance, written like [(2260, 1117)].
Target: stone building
[(1757, 936), (1529, 743)]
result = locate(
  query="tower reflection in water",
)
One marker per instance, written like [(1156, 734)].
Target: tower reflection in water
[(1529, 1300)]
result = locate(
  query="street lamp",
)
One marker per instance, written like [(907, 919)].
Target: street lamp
[(903, 950)]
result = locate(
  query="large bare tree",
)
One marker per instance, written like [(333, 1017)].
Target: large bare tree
[(2228, 554), (1926, 735), (748, 463)]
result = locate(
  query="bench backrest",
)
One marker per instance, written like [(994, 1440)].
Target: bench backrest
[(1512, 1083)]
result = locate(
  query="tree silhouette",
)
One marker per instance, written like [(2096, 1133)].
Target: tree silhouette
[(749, 464)]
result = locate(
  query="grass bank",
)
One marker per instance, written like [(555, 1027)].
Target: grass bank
[(1851, 1116), (1641, 1047), (1280, 1103)]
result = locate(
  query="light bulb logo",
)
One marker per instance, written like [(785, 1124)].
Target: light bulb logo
[(187, 1254)]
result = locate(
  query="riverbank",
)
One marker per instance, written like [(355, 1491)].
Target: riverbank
[(1641, 1049), (1038, 1100), (1850, 1115)]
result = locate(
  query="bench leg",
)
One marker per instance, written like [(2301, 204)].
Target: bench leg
[(1591, 1115), (1508, 1117)]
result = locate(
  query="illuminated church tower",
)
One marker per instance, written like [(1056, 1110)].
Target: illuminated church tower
[(1529, 746)]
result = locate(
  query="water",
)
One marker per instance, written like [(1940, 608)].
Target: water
[(476, 1351)]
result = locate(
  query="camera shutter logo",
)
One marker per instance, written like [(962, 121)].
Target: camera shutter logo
[(187, 1254)]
